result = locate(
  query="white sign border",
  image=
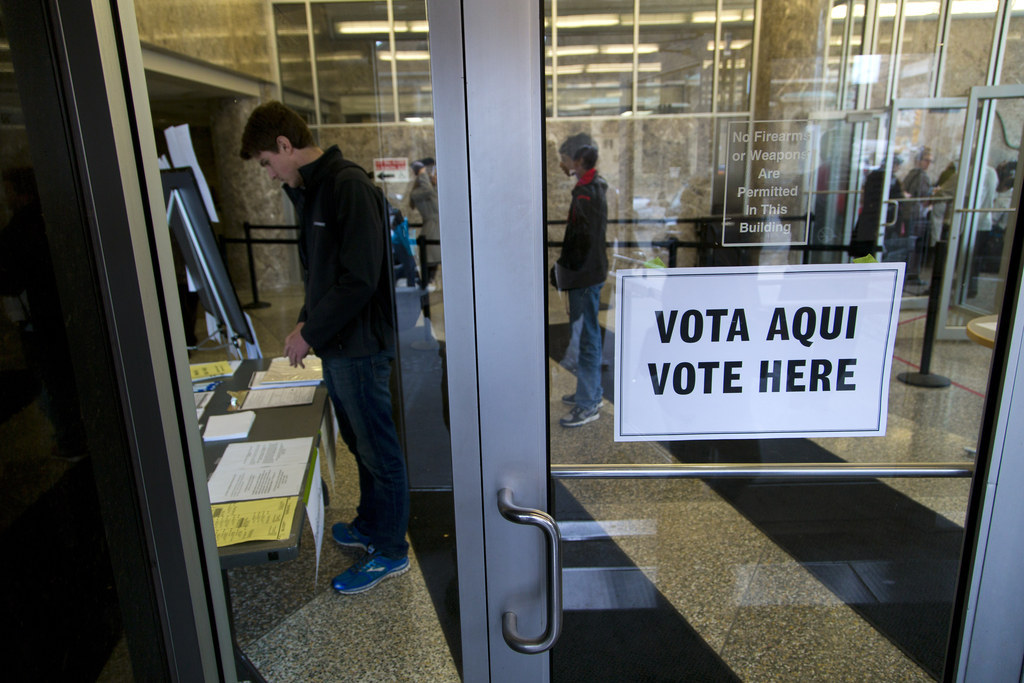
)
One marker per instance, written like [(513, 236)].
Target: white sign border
[(897, 269)]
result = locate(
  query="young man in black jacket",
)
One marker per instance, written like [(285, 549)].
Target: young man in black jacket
[(346, 320)]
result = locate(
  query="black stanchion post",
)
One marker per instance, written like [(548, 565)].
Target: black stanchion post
[(256, 303), (924, 378), (421, 244), (673, 249)]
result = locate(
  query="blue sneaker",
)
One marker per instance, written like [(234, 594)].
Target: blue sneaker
[(349, 536), (368, 572)]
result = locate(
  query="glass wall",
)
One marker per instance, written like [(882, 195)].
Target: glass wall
[(372, 61), (50, 509), (658, 87), (861, 574)]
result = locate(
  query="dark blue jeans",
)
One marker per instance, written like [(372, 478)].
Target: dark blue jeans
[(584, 303), (362, 400)]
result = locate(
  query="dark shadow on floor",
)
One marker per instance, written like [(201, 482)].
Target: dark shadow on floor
[(888, 557), (632, 633), (432, 535), (59, 582)]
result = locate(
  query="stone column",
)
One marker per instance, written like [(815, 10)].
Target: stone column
[(792, 46), (248, 195)]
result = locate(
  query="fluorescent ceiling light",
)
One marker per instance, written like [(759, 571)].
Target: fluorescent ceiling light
[(574, 50), (610, 68), (921, 9), (566, 70), (729, 44), (643, 49), (588, 20), (406, 56), (703, 18), (350, 27), (664, 19), (345, 56), (621, 67), (418, 26), (975, 6), (839, 11), (910, 9)]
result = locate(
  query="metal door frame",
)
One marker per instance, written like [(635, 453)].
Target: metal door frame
[(489, 133), (970, 157)]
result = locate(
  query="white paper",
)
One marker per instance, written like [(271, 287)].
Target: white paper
[(260, 469), (281, 370), (230, 426), (257, 382), (328, 435), (202, 399), (767, 352), (315, 514), (278, 396), (179, 146)]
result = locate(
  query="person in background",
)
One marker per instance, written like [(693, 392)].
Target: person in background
[(864, 240), (983, 239), (581, 270), (347, 319), (918, 186), (423, 198)]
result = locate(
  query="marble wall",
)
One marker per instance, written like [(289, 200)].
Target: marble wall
[(658, 167), (232, 34), (246, 194)]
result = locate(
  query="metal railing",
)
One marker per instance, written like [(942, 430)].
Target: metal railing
[(775, 470)]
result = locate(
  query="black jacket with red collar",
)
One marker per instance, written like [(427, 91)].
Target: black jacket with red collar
[(584, 261)]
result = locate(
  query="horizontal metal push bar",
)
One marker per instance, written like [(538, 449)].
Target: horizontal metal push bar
[(780, 470)]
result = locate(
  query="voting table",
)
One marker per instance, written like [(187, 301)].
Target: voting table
[(270, 424)]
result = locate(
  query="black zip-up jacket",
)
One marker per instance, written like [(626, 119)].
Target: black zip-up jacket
[(344, 248), (583, 261)]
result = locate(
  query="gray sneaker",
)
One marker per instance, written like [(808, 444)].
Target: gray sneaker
[(570, 400), (578, 417)]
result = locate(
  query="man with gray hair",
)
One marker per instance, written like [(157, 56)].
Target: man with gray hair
[(581, 270), (918, 186)]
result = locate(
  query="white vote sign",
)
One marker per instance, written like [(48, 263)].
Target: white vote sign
[(754, 352)]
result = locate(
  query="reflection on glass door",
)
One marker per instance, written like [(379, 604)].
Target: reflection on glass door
[(360, 71), (976, 225), (759, 577)]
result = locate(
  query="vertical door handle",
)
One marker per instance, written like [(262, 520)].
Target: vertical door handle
[(531, 646)]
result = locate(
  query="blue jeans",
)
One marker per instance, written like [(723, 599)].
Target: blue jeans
[(362, 400), (583, 304)]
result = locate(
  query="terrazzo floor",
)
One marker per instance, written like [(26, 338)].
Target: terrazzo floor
[(766, 615)]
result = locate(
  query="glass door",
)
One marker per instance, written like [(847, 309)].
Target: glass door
[(975, 225), (736, 552)]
